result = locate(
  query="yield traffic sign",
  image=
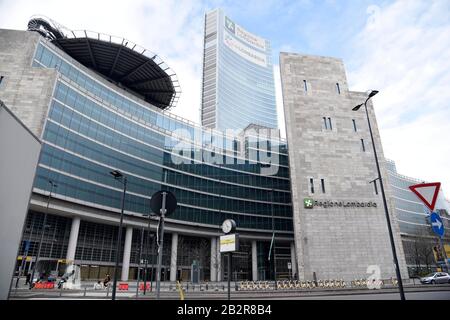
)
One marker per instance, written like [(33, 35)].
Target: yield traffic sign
[(427, 192)]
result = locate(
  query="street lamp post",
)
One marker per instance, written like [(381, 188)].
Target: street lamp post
[(52, 185), (118, 175), (273, 244), (388, 220)]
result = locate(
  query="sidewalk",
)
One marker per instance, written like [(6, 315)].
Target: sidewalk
[(214, 291)]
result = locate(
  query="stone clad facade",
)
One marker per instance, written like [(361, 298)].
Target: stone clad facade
[(26, 89), (328, 164)]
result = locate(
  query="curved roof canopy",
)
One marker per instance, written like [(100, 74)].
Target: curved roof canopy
[(119, 60)]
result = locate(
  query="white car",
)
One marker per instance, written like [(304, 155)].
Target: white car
[(436, 277)]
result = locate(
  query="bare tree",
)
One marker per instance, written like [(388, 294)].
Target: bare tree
[(419, 251), (188, 251)]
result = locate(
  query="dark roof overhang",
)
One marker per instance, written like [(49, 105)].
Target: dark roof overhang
[(119, 60)]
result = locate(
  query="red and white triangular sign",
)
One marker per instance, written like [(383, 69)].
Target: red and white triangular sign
[(427, 192)]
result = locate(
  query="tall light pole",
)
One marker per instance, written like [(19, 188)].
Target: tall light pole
[(120, 177), (272, 244), (388, 220), (52, 186)]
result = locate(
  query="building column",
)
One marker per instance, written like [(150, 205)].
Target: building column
[(126, 254), (72, 246), (293, 262), (219, 261), (254, 261), (214, 262), (173, 257)]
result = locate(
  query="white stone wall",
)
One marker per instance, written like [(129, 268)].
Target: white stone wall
[(334, 242), (19, 152), (24, 89)]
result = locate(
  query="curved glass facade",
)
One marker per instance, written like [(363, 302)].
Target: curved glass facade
[(93, 128), (411, 213), (238, 83)]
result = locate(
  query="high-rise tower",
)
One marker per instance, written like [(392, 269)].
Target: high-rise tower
[(238, 85)]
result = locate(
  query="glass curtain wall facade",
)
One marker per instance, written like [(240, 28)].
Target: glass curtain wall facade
[(93, 127), (238, 84), (415, 229)]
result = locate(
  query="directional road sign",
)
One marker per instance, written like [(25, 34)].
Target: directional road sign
[(157, 199), (436, 224)]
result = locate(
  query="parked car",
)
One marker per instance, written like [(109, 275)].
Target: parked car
[(436, 277)]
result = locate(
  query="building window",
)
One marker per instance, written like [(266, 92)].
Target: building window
[(363, 146), (329, 122), (322, 182), (354, 125), (325, 123), (311, 183), (338, 89), (305, 85)]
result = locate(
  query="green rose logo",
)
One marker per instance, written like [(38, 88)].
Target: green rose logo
[(309, 203)]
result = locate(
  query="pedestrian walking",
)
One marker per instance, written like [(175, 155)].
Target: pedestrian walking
[(28, 278)]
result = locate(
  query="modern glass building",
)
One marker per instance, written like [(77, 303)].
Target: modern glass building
[(107, 110), (411, 214), (238, 84)]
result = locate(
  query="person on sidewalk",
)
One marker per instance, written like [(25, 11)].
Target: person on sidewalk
[(106, 280), (28, 279)]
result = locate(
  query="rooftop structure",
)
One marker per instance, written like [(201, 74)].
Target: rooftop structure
[(119, 60)]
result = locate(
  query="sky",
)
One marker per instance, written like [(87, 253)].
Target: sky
[(401, 48)]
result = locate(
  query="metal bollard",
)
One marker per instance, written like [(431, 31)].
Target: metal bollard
[(84, 295), (60, 291)]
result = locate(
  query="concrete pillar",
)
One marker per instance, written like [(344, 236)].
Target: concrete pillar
[(173, 257), (254, 261), (72, 246), (219, 261), (293, 261), (214, 262), (126, 254)]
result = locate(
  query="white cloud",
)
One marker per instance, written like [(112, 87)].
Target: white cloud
[(279, 100), (172, 29), (404, 51)]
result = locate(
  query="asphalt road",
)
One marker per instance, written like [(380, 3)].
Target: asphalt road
[(417, 295)]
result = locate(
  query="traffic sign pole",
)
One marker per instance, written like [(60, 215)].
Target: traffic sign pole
[(437, 226), (444, 254), (147, 245), (160, 246), (140, 261), (230, 257), (163, 203)]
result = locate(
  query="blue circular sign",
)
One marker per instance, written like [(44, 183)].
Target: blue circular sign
[(436, 224)]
